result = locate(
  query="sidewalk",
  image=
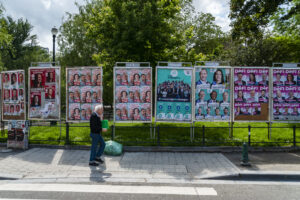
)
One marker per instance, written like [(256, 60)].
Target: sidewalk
[(58, 165)]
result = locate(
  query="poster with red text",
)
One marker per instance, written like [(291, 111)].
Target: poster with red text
[(13, 91), (44, 93)]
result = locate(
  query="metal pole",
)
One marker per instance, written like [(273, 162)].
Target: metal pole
[(203, 135), (191, 132), (151, 131), (67, 134), (249, 135), (269, 129), (54, 49), (112, 132), (158, 139), (294, 135), (53, 123)]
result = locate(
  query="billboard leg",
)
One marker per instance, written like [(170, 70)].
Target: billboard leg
[(191, 132), (150, 131), (114, 131), (231, 129), (154, 130), (269, 129)]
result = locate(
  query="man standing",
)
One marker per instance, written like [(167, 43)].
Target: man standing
[(96, 130)]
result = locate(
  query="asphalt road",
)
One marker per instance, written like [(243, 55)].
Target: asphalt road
[(221, 190)]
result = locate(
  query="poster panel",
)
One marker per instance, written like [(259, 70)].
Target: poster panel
[(251, 94), (13, 99), (84, 92), (212, 93), (286, 94), (17, 134), (174, 94), (44, 93), (133, 94)]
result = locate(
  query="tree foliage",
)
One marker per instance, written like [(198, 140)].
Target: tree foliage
[(249, 17)]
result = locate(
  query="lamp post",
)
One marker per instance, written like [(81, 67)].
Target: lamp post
[(54, 32)]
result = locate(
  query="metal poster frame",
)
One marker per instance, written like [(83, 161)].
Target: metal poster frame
[(175, 65), (269, 103), (231, 89), (25, 113), (272, 120), (67, 88), (131, 65), (211, 63), (29, 88)]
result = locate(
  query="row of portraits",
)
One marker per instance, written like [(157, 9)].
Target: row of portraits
[(84, 89)]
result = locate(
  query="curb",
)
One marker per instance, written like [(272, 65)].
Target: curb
[(192, 149)]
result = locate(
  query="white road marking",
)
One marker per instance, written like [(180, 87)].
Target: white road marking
[(57, 157), (195, 191), (22, 199)]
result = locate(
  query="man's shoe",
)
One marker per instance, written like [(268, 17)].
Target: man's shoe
[(99, 160), (93, 163)]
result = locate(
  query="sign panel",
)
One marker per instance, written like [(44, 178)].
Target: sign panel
[(212, 94), (44, 93), (251, 94), (13, 95), (286, 94), (17, 134), (132, 94), (84, 92), (174, 94)]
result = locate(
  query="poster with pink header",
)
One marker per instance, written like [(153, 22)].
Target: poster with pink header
[(132, 94), (286, 94), (84, 89), (251, 94)]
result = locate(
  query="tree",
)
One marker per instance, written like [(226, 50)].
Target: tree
[(5, 37), (132, 31), (76, 49), (286, 20), (23, 49), (249, 17)]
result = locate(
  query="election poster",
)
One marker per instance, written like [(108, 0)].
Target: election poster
[(133, 94), (212, 94), (13, 95), (174, 94), (84, 92), (251, 94), (286, 94), (17, 134), (44, 93)]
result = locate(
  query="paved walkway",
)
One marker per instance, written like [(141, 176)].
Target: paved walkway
[(62, 165)]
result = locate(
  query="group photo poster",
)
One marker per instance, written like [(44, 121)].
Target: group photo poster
[(174, 94), (286, 97), (212, 93), (13, 95), (133, 94), (84, 92), (44, 93), (251, 94)]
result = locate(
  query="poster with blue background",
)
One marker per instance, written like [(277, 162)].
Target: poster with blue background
[(212, 94), (174, 94)]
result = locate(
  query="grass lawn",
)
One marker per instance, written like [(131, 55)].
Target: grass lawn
[(216, 134)]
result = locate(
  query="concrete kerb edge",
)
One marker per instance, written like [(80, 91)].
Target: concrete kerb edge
[(213, 149)]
